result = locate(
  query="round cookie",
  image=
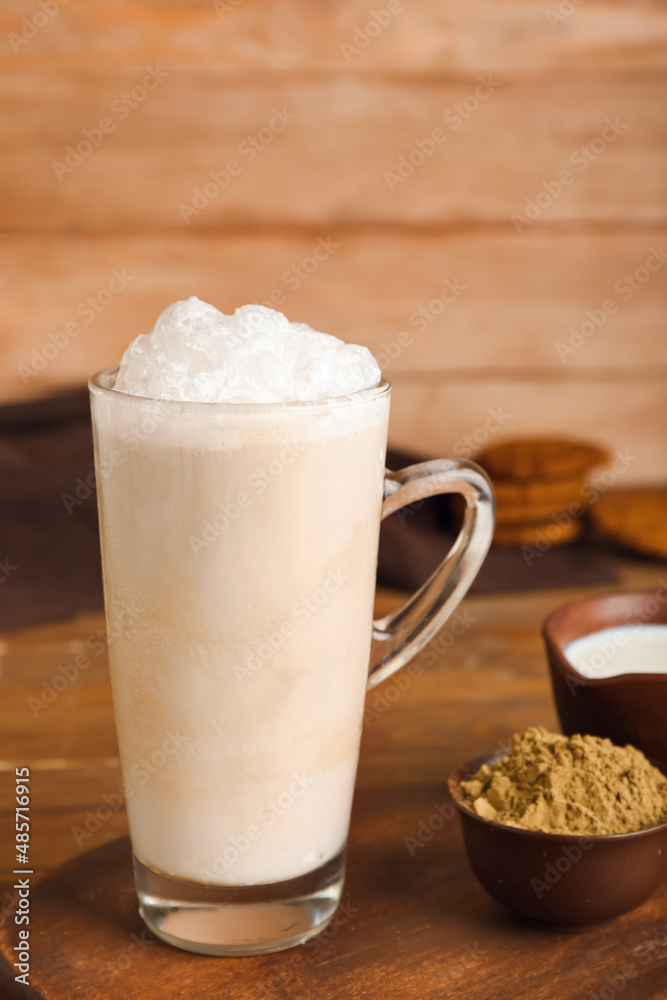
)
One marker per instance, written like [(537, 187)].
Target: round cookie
[(540, 459), (634, 518)]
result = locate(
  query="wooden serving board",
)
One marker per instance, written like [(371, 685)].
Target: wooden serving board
[(413, 924)]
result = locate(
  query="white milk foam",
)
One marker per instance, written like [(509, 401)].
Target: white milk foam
[(199, 354)]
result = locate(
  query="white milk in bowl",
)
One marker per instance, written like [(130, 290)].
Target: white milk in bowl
[(622, 649)]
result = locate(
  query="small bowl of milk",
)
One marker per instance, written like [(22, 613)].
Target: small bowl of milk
[(608, 662)]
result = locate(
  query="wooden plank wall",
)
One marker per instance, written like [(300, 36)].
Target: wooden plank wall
[(485, 184)]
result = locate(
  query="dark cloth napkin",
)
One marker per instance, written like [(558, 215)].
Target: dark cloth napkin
[(414, 542), (49, 544)]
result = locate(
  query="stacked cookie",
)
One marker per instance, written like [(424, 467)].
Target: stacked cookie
[(540, 487)]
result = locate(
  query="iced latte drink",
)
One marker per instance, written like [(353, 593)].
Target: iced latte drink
[(240, 465)]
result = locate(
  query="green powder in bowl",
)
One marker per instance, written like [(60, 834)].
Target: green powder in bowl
[(569, 785)]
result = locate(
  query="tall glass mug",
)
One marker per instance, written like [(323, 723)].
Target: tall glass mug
[(239, 548)]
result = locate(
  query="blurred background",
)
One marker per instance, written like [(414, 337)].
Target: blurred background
[(477, 191)]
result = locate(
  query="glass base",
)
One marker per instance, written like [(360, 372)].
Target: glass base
[(239, 920)]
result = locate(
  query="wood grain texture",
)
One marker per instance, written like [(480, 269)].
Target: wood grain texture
[(415, 926), (328, 164), (406, 919), (555, 78), (453, 419), (427, 36), (516, 297), (42, 690)]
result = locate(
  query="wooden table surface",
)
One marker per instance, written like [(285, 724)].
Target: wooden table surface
[(414, 922)]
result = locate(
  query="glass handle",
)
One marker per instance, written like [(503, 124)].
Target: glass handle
[(400, 635)]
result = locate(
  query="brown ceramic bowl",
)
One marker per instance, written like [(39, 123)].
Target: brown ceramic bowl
[(630, 708), (562, 881)]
